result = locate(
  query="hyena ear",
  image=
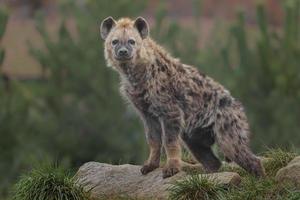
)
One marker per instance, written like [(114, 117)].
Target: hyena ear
[(142, 26), (106, 25)]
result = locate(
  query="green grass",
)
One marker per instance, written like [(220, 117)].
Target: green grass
[(194, 187), (251, 188), (48, 183), (260, 189), (276, 159)]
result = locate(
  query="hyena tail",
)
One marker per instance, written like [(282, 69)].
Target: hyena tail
[(231, 132)]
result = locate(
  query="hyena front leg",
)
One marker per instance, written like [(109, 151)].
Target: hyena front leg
[(171, 131), (153, 132)]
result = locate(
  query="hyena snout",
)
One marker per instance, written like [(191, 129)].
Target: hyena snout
[(123, 52)]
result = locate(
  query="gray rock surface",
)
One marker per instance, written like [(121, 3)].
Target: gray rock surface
[(290, 173), (105, 180)]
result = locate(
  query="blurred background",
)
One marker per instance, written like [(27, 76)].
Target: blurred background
[(59, 102)]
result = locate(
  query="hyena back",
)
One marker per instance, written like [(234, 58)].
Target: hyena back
[(176, 102)]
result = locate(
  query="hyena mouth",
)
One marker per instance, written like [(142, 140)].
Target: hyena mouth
[(123, 58)]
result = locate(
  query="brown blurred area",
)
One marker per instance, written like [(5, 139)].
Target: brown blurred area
[(21, 28), (220, 8), (27, 7)]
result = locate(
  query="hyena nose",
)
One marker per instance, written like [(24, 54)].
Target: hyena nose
[(123, 52)]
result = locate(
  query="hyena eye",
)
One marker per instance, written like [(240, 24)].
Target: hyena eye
[(114, 42), (131, 41)]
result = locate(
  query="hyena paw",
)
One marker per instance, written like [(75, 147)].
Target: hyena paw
[(148, 168), (171, 169), (212, 167)]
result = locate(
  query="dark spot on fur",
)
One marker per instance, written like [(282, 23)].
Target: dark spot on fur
[(205, 121), (199, 116), (236, 155), (236, 149), (218, 116), (191, 93), (207, 96), (207, 85), (142, 94), (153, 73), (197, 81), (240, 142), (225, 101), (158, 62), (233, 122), (226, 126), (179, 96)]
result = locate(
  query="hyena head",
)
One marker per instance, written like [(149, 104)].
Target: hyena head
[(123, 40)]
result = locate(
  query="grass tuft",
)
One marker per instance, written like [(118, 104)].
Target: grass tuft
[(194, 187), (48, 183), (276, 159)]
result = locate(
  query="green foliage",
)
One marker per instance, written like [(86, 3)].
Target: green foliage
[(48, 183), (181, 42), (81, 96), (194, 187), (276, 159), (3, 22), (262, 189), (261, 68)]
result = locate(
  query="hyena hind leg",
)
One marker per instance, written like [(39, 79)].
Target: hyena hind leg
[(199, 143)]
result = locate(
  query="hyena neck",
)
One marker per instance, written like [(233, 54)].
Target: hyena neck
[(133, 74), (159, 61)]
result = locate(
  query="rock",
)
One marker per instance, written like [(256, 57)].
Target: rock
[(290, 173), (105, 180), (295, 161)]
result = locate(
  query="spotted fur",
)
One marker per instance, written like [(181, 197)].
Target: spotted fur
[(176, 101)]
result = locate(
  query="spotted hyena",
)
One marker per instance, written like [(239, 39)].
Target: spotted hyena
[(176, 102)]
